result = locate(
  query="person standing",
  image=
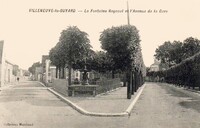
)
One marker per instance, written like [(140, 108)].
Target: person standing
[(17, 79)]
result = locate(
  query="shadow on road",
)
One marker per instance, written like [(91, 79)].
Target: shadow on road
[(191, 101), (192, 104)]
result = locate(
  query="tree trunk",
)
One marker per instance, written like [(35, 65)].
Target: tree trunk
[(133, 83), (113, 74), (69, 75), (136, 82), (129, 84), (63, 72), (56, 72), (139, 79), (59, 72), (124, 79)]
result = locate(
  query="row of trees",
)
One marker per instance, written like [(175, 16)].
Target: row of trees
[(173, 53)]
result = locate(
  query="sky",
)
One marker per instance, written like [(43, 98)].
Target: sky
[(29, 34)]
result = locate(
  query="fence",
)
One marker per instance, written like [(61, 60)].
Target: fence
[(103, 85), (107, 85)]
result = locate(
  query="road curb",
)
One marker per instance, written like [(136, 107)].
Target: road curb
[(129, 109), (41, 83), (83, 111), (87, 113)]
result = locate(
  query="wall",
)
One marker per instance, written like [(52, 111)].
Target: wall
[(52, 73), (8, 73), (2, 63)]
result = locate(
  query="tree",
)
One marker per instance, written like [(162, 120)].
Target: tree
[(87, 61), (163, 52), (101, 62), (75, 45), (56, 55), (174, 53), (33, 67), (122, 45), (191, 46)]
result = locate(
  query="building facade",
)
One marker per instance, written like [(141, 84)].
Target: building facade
[(8, 71), (9, 77), (158, 66)]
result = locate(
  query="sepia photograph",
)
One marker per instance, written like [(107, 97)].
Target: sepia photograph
[(99, 64)]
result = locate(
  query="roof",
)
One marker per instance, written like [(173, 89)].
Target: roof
[(9, 63)]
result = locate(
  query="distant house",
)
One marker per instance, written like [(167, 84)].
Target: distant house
[(158, 66), (38, 73), (50, 72), (155, 66)]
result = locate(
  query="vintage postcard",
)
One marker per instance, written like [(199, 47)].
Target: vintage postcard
[(99, 64)]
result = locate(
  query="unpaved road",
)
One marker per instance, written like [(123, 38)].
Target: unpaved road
[(29, 105)]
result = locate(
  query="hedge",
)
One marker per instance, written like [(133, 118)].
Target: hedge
[(187, 73)]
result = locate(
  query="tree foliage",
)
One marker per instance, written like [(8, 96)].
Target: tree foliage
[(163, 52), (33, 67), (175, 52), (88, 61), (56, 56), (75, 44), (191, 46), (122, 45), (73, 47), (101, 62)]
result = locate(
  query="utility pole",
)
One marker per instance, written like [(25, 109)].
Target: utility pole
[(129, 73), (128, 19)]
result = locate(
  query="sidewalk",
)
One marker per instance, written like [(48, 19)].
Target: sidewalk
[(8, 86), (112, 104)]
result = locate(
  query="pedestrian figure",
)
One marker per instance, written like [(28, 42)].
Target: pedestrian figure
[(17, 79)]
